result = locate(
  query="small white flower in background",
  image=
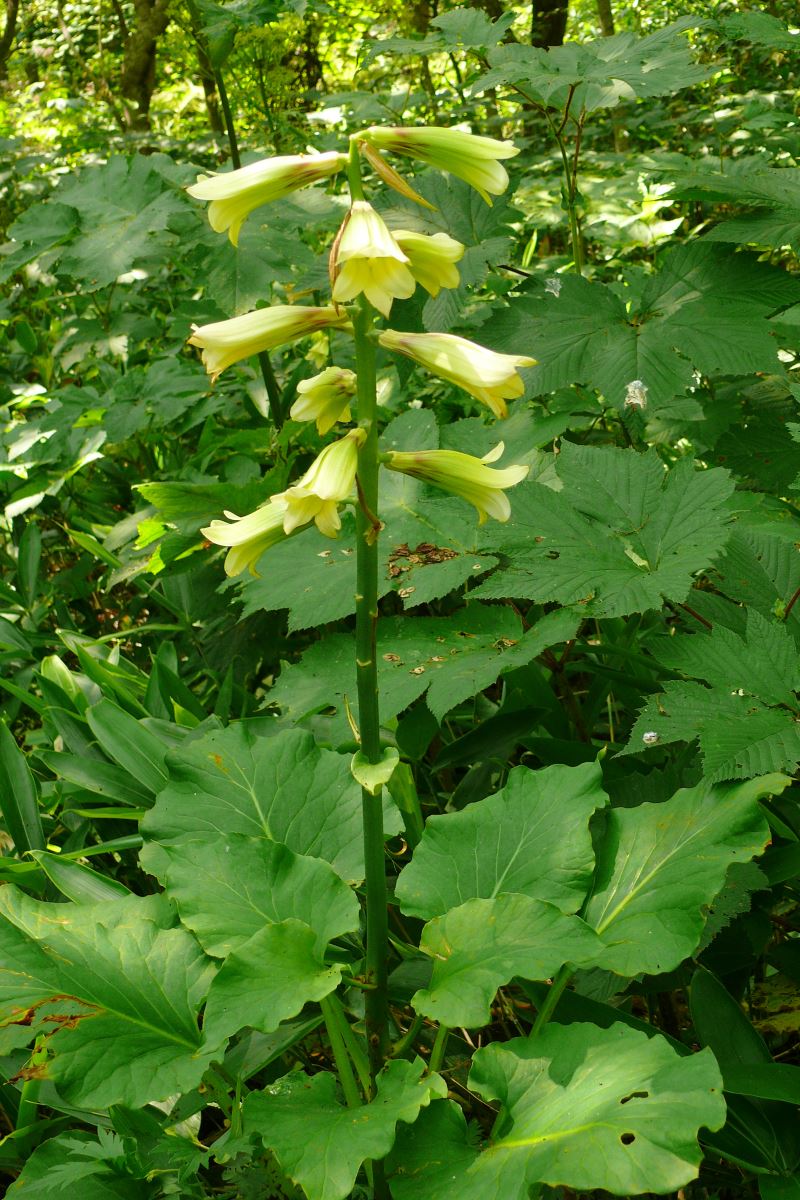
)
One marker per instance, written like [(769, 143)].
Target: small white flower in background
[(553, 285), (636, 394), (650, 738), (325, 398), (329, 480)]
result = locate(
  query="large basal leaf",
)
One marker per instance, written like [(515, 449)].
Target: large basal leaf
[(620, 536), (282, 786), (706, 309), (319, 1143), (739, 737), (483, 944), (268, 980), (448, 658), (229, 887), (137, 986), (660, 865), (531, 838), (584, 1107)]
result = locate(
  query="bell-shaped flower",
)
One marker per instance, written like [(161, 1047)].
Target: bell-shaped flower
[(235, 194), (325, 398), (367, 259), (226, 342), (473, 159), (328, 481), (248, 537), (464, 475), (431, 258), (488, 376)]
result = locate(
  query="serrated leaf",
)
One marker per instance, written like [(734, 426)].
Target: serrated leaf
[(739, 737), (69, 1160), (762, 663), (759, 567), (320, 1144), (619, 537), (707, 308), (228, 887), (531, 838), (449, 659), (282, 787), (659, 867), (129, 1042), (586, 1108), (734, 899), (482, 944)]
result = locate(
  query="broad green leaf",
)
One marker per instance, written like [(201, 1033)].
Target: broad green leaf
[(320, 1144), (532, 838), (759, 567), (739, 738), (585, 1108), (660, 865), (78, 883), (620, 536), (595, 75), (137, 985), (763, 662), (448, 658), (37, 230), (455, 30), (771, 193), (267, 980), (75, 1163), (281, 786), (736, 897), (19, 796), (228, 887), (707, 308), (100, 778), (721, 1024), (482, 944)]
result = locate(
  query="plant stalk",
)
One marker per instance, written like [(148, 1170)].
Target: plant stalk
[(557, 989), (344, 1067)]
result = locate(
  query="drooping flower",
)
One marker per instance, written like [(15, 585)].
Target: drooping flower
[(248, 537), (226, 342), (431, 258), (328, 481), (367, 259), (325, 398), (473, 159), (488, 376), (235, 194), (464, 475)]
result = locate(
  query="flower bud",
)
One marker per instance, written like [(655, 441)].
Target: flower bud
[(488, 376), (325, 398), (329, 480), (226, 342), (431, 258), (367, 259), (248, 537), (235, 194), (471, 158), (464, 475)]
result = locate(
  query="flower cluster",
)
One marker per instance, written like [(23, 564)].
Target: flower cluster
[(370, 265)]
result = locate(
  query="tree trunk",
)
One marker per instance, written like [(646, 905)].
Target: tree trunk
[(548, 22), (139, 64), (606, 18), (9, 31)]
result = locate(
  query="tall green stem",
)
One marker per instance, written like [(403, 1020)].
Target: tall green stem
[(339, 1051), (376, 1002)]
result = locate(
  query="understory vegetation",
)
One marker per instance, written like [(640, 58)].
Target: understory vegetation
[(400, 678)]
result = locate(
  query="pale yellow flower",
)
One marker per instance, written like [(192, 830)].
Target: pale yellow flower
[(325, 398), (473, 159), (464, 475), (367, 259), (226, 342), (485, 374), (235, 194), (328, 481), (431, 258), (248, 537)]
